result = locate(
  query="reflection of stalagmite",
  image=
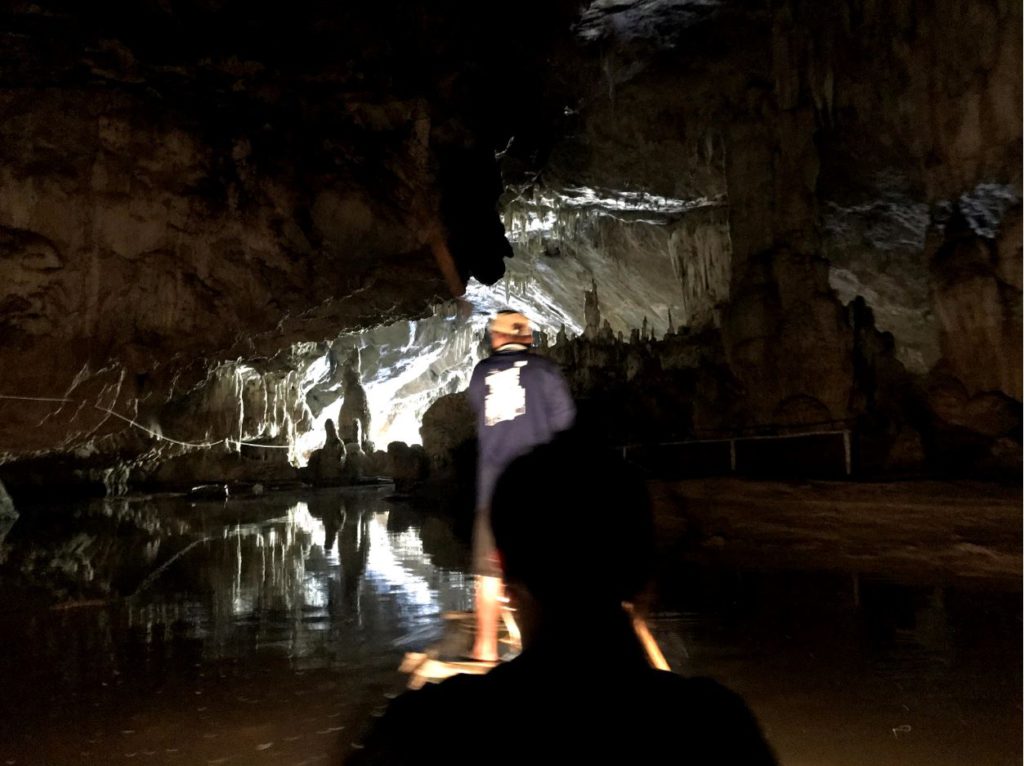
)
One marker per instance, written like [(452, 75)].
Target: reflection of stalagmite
[(333, 520), (353, 550), (330, 509)]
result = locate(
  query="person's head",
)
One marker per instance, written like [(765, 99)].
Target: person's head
[(573, 527), (510, 327)]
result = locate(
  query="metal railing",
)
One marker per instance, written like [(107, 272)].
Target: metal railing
[(846, 433)]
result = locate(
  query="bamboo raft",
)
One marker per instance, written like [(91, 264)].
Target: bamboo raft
[(449, 656)]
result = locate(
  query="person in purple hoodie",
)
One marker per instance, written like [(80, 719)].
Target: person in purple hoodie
[(521, 400)]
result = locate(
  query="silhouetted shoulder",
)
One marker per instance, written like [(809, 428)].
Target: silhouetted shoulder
[(542, 717), (419, 724), (719, 726)]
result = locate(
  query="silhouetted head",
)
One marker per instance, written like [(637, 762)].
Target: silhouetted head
[(573, 526)]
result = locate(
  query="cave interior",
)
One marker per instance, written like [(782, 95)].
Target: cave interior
[(775, 247)]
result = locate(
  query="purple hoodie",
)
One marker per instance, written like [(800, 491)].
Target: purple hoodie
[(520, 400)]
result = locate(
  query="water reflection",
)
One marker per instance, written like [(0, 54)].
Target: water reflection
[(856, 673), (191, 620), (295, 575)]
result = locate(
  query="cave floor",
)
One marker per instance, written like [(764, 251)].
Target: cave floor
[(929, 531), (864, 624)]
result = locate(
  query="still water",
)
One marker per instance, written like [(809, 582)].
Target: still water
[(165, 630)]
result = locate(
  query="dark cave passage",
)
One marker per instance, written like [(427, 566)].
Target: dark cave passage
[(248, 261)]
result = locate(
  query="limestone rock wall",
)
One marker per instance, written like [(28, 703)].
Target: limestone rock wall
[(135, 247), (827, 195), (869, 163), (166, 208), (651, 257)]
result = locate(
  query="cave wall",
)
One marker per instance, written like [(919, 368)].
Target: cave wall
[(869, 160), (135, 247), (666, 261), (825, 195), (187, 185)]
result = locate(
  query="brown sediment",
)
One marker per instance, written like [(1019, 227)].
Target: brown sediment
[(923, 530)]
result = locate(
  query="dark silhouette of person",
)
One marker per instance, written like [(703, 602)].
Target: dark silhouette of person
[(574, 534)]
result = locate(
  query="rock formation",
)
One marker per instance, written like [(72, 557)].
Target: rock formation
[(354, 417), (819, 203), (327, 465), (409, 465)]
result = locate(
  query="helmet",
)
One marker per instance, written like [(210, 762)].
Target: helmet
[(513, 325)]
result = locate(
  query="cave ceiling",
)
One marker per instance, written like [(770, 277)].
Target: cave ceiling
[(185, 185)]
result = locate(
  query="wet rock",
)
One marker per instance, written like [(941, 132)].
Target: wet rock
[(354, 470), (786, 335), (378, 464), (800, 411), (449, 442), (993, 414), (409, 465), (328, 464), (448, 424), (979, 312), (1005, 456), (947, 397), (1008, 249), (906, 454), (249, 466), (988, 413)]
